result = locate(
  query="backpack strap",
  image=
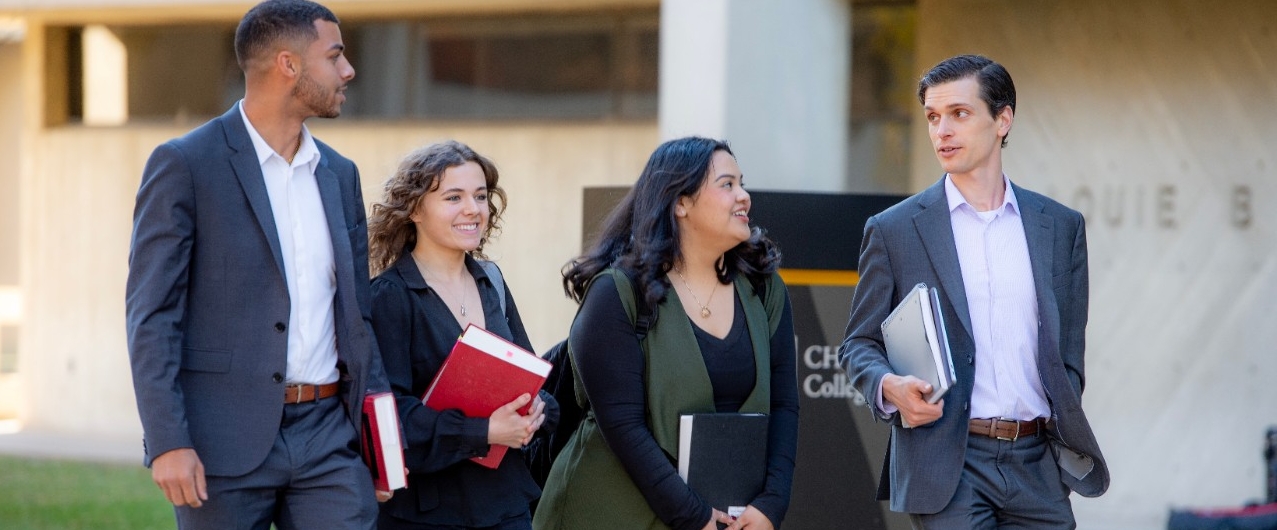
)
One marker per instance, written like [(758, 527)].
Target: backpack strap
[(772, 292), (494, 275), (646, 315)]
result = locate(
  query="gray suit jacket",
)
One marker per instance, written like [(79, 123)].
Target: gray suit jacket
[(207, 303), (912, 242)]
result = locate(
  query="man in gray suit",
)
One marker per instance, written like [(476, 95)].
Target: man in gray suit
[(247, 297), (1009, 439)]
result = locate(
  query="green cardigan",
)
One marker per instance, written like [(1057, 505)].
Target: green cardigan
[(588, 487)]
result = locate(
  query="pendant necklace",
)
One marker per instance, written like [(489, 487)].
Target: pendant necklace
[(705, 312), (461, 300)]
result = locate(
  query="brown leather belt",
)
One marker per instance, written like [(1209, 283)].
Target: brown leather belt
[(303, 393), (1008, 430)]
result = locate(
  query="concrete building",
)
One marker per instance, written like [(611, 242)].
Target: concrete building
[(1152, 117)]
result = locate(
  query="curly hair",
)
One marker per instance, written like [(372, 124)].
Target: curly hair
[(390, 229), (641, 236)]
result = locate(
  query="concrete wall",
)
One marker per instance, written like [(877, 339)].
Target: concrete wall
[(77, 237), (1155, 119)]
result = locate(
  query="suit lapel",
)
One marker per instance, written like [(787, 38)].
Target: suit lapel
[(1038, 234), (343, 260), (330, 194), (249, 172), (936, 230)]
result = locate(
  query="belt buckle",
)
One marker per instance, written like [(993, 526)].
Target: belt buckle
[(1015, 429), (298, 400)]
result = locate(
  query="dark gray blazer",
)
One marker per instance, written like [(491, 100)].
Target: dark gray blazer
[(912, 242), (207, 303)]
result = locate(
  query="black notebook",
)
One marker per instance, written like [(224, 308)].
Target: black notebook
[(723, 458)]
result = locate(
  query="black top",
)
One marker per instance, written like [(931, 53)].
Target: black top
[(729, 361), (612, 370), (416, 331)]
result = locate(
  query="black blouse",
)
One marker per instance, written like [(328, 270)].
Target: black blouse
[(729, 361), (611, 363), (415, 332)]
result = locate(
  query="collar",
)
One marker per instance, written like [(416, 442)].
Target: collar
[(956, 199), (307, 152), (407, 269)]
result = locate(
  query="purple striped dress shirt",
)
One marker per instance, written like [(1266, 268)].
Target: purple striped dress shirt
[(994, 257)]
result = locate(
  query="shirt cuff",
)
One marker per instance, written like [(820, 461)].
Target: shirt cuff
[(474, 437), (886, 408)]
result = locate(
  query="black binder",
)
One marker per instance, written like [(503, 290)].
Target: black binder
[(723, 457)]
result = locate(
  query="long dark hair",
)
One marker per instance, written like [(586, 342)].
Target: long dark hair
[(390, 228), (641, 236)]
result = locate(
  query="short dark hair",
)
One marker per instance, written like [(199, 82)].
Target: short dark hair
[(273, 21), (996, 88), (641, 235)]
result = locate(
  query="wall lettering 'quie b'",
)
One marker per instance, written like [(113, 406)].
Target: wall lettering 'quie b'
[(1155, 206)]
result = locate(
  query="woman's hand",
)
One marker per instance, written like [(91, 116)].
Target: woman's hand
[(507, 427), (717, 517), (752, 519)]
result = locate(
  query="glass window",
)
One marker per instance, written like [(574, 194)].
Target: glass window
[(531, 67), (527, 67), (883, 84), (176, 72)]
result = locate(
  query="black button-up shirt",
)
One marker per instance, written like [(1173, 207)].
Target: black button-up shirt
[(416, 331)]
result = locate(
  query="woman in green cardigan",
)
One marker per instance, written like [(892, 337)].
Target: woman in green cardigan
[(720, 340)]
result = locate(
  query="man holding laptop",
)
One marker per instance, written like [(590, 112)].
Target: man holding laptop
[(1009, 440)]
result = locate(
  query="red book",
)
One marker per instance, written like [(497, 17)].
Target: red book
[(482, 373), (383, 442)]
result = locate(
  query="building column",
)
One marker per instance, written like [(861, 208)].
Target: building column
[(12, 392), (770, 77), (106, 77)]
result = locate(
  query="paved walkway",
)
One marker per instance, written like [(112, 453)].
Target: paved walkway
[(45, 444)]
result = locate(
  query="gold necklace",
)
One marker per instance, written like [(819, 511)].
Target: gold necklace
[(705, 312), (461, 300), (299, 148)]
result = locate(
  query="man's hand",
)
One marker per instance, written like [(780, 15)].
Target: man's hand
[(715, 518), (181, 475), (906, 393), (752, 519), (383, 496)]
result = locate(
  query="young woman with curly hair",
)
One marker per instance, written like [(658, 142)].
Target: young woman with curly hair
[(426, 240)]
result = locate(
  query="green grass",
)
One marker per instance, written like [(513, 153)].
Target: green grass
[(63, 495)]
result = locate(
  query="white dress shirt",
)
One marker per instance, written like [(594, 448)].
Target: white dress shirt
[(994, 256), (306, 244)]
